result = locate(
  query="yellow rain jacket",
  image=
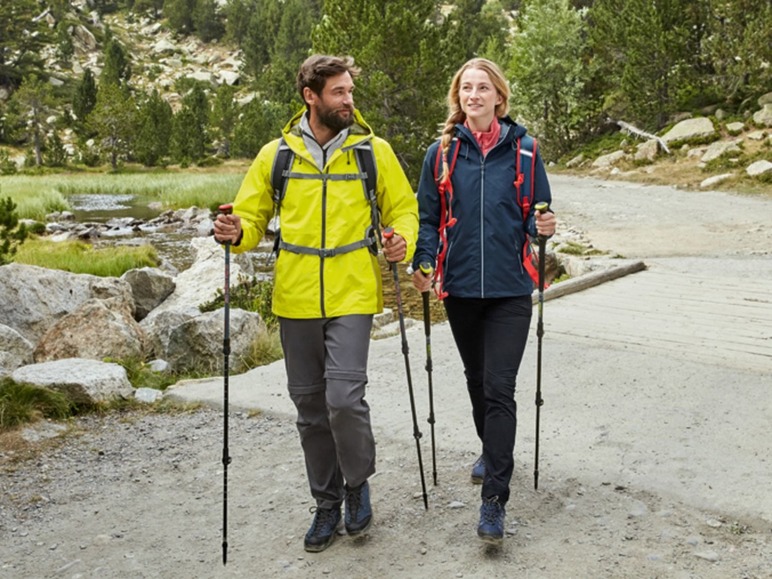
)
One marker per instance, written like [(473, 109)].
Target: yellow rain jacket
[(325, 214)]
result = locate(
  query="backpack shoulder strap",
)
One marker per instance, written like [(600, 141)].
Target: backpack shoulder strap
[(366, 158), (367, 165), (282, 164)]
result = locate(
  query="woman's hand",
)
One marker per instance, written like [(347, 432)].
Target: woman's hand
[(545, 223)]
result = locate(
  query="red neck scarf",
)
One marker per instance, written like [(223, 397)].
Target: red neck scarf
[(489, 139)]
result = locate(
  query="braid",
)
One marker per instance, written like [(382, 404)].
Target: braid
[(455, 117)]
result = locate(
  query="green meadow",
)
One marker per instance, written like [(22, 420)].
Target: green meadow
[(36, 196)]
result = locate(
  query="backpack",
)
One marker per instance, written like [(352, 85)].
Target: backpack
[(525, 152), (281, 173)]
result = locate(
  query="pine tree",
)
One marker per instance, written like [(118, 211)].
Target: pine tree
[(207, 20), (117, 66), (189, 137), (35, 99), (12, 234), (85, 96), (22, 39), (112, 121), (223, 118), (154, 127), (179, 14)]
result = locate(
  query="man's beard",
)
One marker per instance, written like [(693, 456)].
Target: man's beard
[(332, 118)]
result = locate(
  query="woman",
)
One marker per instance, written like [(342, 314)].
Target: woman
[(474, 182)]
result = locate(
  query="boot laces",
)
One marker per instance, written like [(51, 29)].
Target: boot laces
[(322, 518), (354, 501), (491, 511)]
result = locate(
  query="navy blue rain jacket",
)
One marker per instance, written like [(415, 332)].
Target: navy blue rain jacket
[(485, 246)]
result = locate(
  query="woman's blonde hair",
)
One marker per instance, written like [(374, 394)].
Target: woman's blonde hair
[(456, 115)]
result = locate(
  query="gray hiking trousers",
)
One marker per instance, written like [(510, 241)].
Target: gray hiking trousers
[(326, 362)]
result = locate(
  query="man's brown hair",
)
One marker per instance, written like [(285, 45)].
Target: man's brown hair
[(316, 69)]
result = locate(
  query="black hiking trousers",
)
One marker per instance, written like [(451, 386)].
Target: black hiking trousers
[(491, 335)]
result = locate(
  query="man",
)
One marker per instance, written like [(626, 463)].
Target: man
[(327, 282)]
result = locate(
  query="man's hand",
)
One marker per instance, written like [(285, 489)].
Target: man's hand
[(227, 228), (394, 248)]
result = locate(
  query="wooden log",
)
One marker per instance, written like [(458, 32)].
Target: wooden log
[(589, 280)]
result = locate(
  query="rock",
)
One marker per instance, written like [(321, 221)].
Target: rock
[(647, 151), (696, 128), (85, 381), (711, 556), (15, 350), (32, 299), (163, 46), (756, 135), (719, 148), (150, 287), (765, 99), (196, 345), (159, 325), (148, 395), (609, 160), (763, 118), (228, 77), (759, 168), (715, 180), (98, 329), (735, 128), (575, 161)]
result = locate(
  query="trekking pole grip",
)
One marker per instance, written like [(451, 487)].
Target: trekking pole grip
[(542, 207), (388, 233)]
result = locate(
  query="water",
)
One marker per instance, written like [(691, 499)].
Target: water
[(100, 208)]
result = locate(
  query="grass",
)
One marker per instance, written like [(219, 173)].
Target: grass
[(38, 195), (80, 257), (22, 403)]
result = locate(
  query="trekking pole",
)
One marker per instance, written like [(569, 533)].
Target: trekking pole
[(541, 208), (388, 233), (226, 350), (427, 270)]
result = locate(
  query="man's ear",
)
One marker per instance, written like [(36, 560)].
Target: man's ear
[(309, 96)]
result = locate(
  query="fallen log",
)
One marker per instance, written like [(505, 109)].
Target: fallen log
[(589, 280)]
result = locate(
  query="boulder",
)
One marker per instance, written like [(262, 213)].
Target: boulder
[(647, 151), (15, 350), (763, 117), (150, 287), (98, 329), (196, 345), (199, 283), (719, 148), (759, 168), (85, 381), (159, 325), (715, 180), (609, 160), (696, 128), (32, 299)]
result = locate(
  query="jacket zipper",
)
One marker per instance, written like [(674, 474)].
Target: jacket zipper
[(324, 234), (482, 227)]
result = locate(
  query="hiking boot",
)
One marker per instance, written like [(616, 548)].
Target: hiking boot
[(478, 471), (323, 529), (491, 527), (359, 514)]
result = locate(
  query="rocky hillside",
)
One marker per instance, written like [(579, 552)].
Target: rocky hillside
[(158, 58)]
